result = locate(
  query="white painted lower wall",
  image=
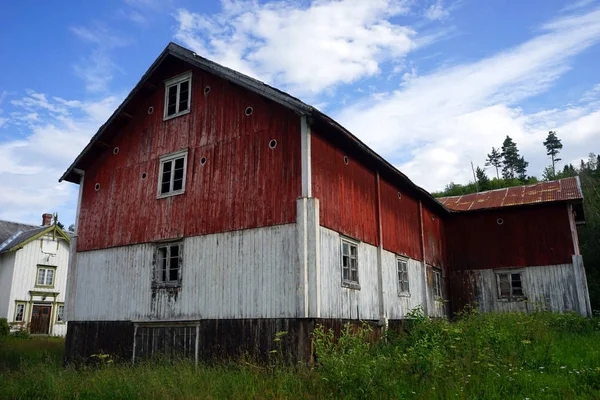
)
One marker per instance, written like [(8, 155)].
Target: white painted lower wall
[(337, 301), (552, 288), (251, 273)]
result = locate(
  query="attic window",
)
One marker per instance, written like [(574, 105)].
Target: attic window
[(172, 174), (178, 95)]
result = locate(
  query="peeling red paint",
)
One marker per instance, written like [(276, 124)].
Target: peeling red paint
[(243, 184)]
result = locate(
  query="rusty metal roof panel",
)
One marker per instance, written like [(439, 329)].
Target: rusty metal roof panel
[(567, 189)]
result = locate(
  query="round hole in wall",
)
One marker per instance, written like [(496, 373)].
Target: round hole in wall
[(203, 160), (272, 144), (97, 187), (433, 217), (144, 175), (248, 111), (399, 195), (346, 160), (500, 221), (116, 150), (150, 110), (206, 89)]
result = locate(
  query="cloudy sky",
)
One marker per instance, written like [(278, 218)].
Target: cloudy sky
[(431, 85)]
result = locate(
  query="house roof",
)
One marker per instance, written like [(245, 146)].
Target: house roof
[(567, 190), (16, 235), (96, 144), (9, 228)]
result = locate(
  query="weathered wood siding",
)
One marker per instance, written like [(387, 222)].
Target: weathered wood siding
[(550, 287), (243, 184), (528, 236), (434, 238), (7, 264), (346, 192), (400, 222), (396, 307), (250, 273)]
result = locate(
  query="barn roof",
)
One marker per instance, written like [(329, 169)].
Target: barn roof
[(97, 144), (562, 190)]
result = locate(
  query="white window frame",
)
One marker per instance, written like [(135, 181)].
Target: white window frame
[(349, 283), (163, 160), (17, 304), (403, 291), (60, 315), (176, 81), (45, 283), (511, 296), (158, 282), (437, 283)]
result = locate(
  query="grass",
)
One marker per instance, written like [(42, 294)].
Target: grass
[(487, 356)]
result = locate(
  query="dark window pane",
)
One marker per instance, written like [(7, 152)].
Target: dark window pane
[(517, 291), (174, 251), (178, 174), (345, 262), (183, 96), (166, 177), (173, 274), (172, 100), (354, 276), (353, 250)]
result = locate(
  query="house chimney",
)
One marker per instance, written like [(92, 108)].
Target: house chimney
[(46, 219)]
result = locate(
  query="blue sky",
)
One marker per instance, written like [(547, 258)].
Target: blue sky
[(431, 85)]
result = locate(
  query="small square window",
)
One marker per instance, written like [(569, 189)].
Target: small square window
[(350, 264), (45, 276), (178, 95), (169, 260), (402, 269), (437, 283), (20, 312), (172, 174), (60, 313), (510, 285)]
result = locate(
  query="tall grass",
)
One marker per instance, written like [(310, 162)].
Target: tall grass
[(487, 356)]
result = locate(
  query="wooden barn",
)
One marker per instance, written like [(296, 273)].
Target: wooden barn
[(216, 211)]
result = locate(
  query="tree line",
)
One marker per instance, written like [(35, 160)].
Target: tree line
[(511, 170)]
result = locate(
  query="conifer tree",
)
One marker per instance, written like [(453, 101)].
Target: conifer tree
[(494, 159), (482, 179), (553, 146), (510, 158)]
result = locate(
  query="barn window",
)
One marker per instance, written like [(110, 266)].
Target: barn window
[(20, 312), (437, 283), (45, 276), (60, 313), (403, 285), (178, 95), (172, 174), (169, 259), (350, 264), (510, 285)]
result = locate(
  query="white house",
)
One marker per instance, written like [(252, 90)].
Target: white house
[(33, 275)]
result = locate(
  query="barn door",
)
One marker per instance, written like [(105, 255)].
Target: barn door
[(40, 319)]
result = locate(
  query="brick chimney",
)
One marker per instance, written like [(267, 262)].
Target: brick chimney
[(46, 219)]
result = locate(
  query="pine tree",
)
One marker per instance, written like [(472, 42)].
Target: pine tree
[(510, 158), (482, 179), (553, 146), (494, 159), (521, 169)]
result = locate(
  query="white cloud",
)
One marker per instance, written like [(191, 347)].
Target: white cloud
[(48, 135), (437, 11), (434, 125), (98, 67), (305, 49)]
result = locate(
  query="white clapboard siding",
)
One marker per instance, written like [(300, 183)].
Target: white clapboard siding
[(396, 307), (251, 273)]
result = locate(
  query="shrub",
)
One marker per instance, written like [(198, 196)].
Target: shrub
[(20, 332), (4, 327)]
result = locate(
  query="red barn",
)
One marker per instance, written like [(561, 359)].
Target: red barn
[(216, 211)]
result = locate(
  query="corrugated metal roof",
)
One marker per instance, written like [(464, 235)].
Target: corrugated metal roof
[(567, 189)]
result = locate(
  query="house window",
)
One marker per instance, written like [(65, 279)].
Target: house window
[(178, 95), (45, 276), (510, 285), (169, 259), (403, 285), (20, 312), (437, 283), (350, 264), (172, 174), (60, 313)]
